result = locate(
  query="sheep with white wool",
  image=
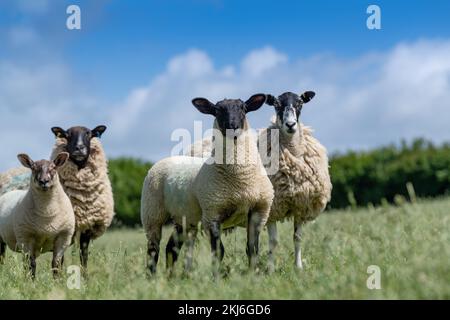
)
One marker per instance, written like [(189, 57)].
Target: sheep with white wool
[(302, 182), (14, 179), (167, 195), (230, 189), (40, 219), (84, 178)]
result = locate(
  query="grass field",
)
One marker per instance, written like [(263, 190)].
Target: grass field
[(410, 243)]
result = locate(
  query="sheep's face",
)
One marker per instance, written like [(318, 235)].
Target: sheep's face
[(79, 142), (230, 113), (288, 108), (44, 173)]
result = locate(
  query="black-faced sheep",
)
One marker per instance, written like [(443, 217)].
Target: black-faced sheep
[(230, 189), (301, 180), (86, 182)]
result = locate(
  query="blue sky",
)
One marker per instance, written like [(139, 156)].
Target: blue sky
[(120, 63)]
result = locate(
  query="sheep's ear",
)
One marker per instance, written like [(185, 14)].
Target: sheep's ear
[(271, 100), (61, 159), (25, 160), (307, 96), (98, 131), (255, 102), (59, 132), (204, 106)]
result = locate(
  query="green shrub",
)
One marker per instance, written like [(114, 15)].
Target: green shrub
[(386, 172), (364, 178), (127, 177)]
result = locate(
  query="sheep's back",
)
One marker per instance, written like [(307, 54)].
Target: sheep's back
[(302, 184), (8, 204), (15, 179)]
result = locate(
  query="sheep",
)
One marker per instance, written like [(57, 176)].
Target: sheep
[(237, 192), (167, 196), (220, 195), (85, 180), (14, 179), (40, 219), (302, 184)]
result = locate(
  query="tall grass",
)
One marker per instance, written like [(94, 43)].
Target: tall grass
[(409, 242)]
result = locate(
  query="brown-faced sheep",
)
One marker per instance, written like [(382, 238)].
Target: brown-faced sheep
[(38, 220)]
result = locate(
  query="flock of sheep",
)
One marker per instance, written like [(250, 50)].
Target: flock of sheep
[(221, 183)]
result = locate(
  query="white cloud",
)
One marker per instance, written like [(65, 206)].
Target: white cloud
[(365, 102), (22, 36), (32, 6), (360, 103), (32, 100), (259, 61)]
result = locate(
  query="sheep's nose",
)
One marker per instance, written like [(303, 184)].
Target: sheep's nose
[(290, 125), (44, 183), (80, 148)]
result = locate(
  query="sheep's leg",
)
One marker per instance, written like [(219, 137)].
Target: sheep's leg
[(254, 227), (29, 255), (85, 239), (57, 264), (59, 248), (2, 252), (174, 247), (190, 242), (273, 243), (297, 244), (217, 248), (32, 265), (154, 239)]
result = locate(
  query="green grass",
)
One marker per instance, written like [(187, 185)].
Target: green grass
[(410, 243)]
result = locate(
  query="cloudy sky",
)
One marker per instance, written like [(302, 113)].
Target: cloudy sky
[(135, 67)]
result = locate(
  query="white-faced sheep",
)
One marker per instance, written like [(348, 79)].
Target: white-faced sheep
[(86, 182), (38, 220), (302, 184), (230, 189)]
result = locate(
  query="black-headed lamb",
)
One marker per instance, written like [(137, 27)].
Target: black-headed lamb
[(230, 189)]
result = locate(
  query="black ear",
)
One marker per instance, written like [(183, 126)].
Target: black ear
[(98, 131), (25, 160), (61, 159), (255, 102), (59, 132), (307, 96), (204, 106), (271, 100)]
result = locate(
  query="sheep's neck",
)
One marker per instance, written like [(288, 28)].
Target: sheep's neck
[(46, 203), (239, 157), (293, 142)]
